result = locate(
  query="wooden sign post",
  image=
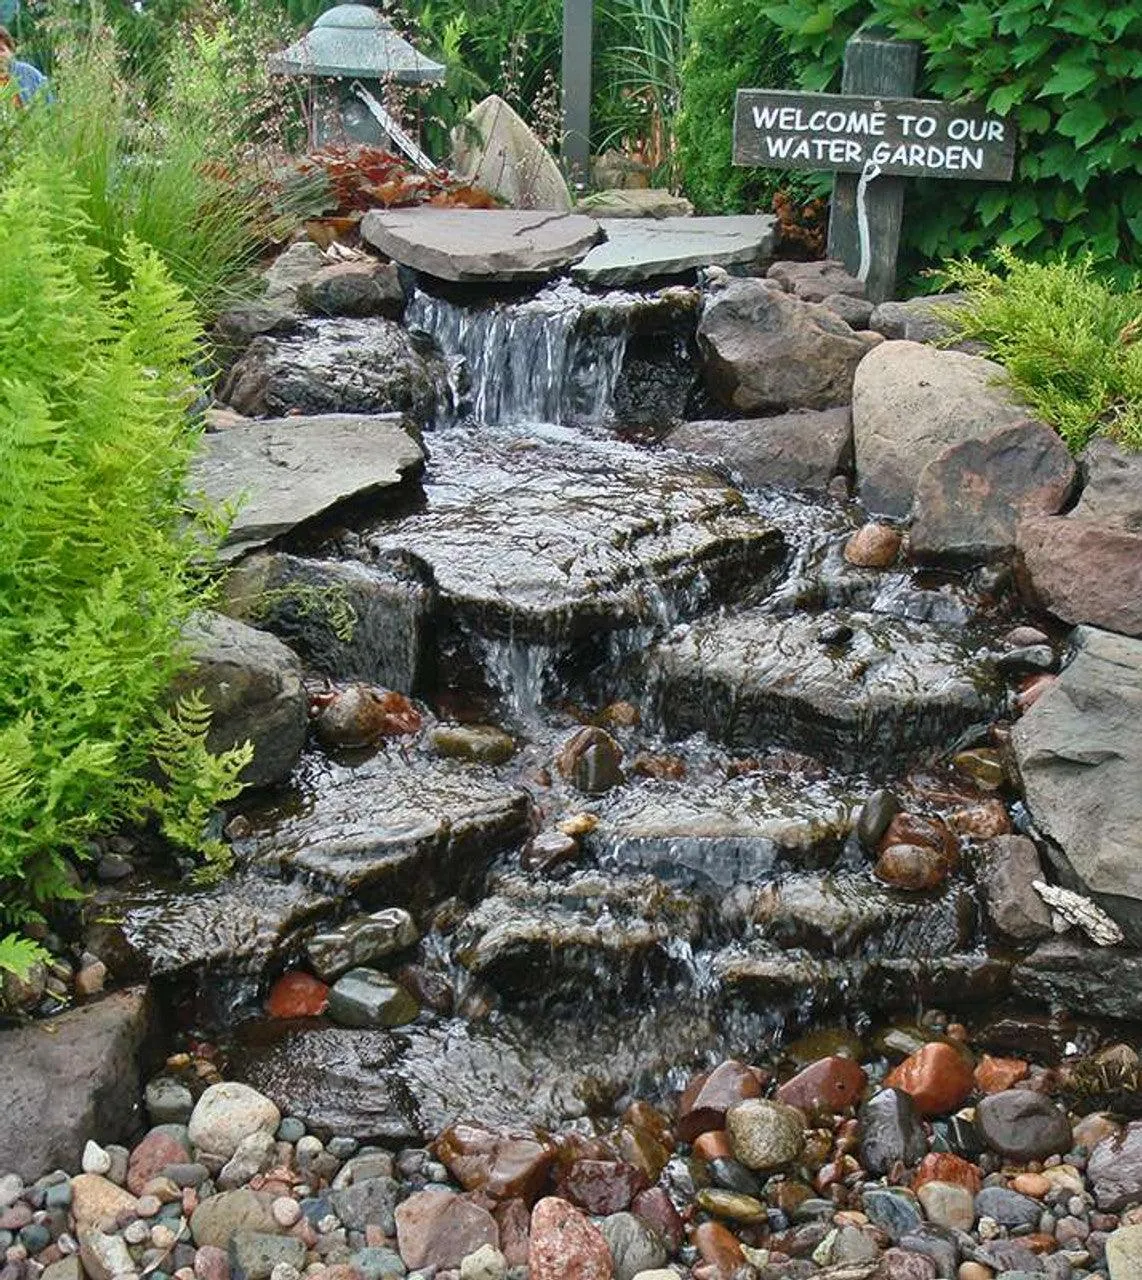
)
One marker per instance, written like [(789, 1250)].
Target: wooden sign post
[(878, 139)]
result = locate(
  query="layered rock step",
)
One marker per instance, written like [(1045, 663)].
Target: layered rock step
[(865, 692), (529, 538)]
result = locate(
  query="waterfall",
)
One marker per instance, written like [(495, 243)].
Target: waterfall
[(555, 357)]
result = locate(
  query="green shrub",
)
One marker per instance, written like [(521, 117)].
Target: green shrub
[(731, 46), (99, 564), (1068, 73), (1070, 342)]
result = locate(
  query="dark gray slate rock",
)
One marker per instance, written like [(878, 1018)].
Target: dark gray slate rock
[(348, 620), (396, 832), (480, 245), (336, 366), (366, 288), (765, 351), (1007, 1207), (971, 498), (855, 312), (1115, 1170), (252, 684), (363, 940), (898, 691), (560, 546), (1022, 1125), (369, 1201), (1010, 866), (1082, 571), (1078, 751), (1087, 980), (891, 1131), (634, 1246), (815, 281), (71, 1078), (282, 472), (637, 249), (365, 998), (1112, 486), (917, 320), (910, 404), (894, 1211), (801, 450)]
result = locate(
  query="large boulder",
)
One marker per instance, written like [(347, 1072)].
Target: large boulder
[(252, 684), (1082, 571), (494, 149), (970, 499), (361, 288), (480, 245), (918, 319), (766, 352), (1079, 755), (1112, 487), (72, 1078), (804, 449), (283, 472), (910, 404), (336, 366)]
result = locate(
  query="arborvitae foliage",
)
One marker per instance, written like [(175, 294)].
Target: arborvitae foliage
[(99, 564)]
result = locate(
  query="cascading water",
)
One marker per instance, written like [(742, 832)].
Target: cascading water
[(555, 357)]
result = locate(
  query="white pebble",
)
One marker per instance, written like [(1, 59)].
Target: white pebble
[(148, 1206), (286, 1211), (988, 1228), (67, 1245), (136, 1232), (162, 1236), (285, 1271), (328, 1224), (308, 1148), (95, 1159)]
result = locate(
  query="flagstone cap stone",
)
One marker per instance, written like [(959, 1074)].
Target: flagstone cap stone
[(638, 249)]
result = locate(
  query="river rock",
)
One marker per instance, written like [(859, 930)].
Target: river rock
[(1009, 867), (484, 743), (360, 715), (873, 546), (95, 1199), (218, 1218), (1124, 1253), (800, 450), (347, 620), (634, 1247), (480, 245), (634, 251), (829, 1085), (970, 499), (897, 691), (252, 685), (938, 1076), (255, 1255), (600, 1187), (765, 1135), (1083, 571), (504, 1166), (566, 1245), (894, 1209), (1112, 487), (367, 1201), (1022, 1125), (910, 404), (228, 1112), (1068, 974), (1007, 1207), (493, 149), (339, 366), (914, 867), (918, 319), (70, 1078), (591, 760), (815, 281), (288, 471), (362, 941), (1079, 755), (158, 1149), (1114, 1170), (105, 1257), (890, 1132), (362, 288), (365, 998), (297, 995), (706, 1099), (440, 1229), (765, 351)]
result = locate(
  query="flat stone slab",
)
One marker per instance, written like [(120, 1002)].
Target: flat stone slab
[(894, 694), (637, 249), (285, 471), (718, 836), (480, 245), (391, 832), (557, 538)]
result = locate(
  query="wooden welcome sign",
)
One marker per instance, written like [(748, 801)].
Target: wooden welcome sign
[(875, 131)]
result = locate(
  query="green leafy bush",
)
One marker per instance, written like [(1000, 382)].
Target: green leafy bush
[(730, 45), (1070, 342), (99, 564), (1068, 73)]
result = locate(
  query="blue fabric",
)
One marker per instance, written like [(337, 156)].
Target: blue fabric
[(28, 80)]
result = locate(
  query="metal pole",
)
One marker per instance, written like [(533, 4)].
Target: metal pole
[(578, 21)]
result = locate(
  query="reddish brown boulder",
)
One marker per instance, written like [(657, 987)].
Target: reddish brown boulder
[(708, 1097), (514, 1221), (591, 760), (719, 1247), (642, 1150), (440, 1229), (873, 546), (297, 995), (713, 1145), (938, 1078), (1082, 571), (912, 866), (565, 1244), (983, 821), (600, 1187), (654, 1206), (993, 1075), (941, 1166), (504, 1166), (830, 1085), (914, 828), (151, 1156)]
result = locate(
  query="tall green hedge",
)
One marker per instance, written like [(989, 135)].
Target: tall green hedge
[(1068, 73)]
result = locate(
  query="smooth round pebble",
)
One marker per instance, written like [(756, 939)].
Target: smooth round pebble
[(286, 1211)]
